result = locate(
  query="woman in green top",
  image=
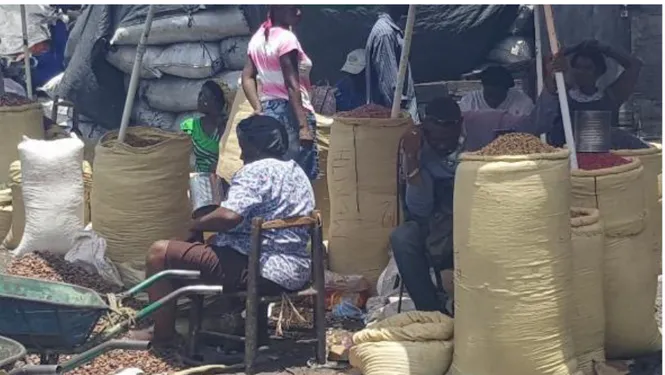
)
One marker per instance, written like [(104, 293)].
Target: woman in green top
[(207, 130)]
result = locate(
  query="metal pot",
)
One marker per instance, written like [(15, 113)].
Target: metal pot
[(593, 131), (205, 190)]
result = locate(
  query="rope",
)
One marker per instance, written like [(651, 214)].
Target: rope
[(118, 313)]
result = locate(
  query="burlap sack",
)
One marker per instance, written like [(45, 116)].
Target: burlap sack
[(629, 282), (416, 343), (5, 212), (513, 268), (13, 237), (588, 312), (362, 188), (139, 195), (652, 162), (229, 158), (15, 122)]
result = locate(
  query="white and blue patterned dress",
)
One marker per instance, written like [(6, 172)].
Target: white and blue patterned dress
[(272, 189)]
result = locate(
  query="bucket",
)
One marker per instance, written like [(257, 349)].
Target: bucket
[(205, 191), (592, 131)]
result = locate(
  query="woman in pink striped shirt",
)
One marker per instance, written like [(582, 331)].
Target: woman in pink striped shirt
[(276, 83)]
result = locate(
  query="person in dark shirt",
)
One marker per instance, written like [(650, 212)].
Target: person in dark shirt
[(383, 51), (350, 91)]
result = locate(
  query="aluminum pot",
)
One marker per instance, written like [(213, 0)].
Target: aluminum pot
[(593, 131), (205, 191)]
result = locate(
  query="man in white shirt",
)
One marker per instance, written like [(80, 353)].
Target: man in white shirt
[(498, 93)]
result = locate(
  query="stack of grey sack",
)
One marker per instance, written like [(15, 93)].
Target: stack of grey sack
[(184, 50)]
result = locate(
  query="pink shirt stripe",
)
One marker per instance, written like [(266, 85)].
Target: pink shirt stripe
[(265, 56)]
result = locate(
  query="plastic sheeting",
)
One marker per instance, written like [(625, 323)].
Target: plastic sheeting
[(38, 17)]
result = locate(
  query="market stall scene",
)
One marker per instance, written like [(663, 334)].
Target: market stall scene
[(286, 189)]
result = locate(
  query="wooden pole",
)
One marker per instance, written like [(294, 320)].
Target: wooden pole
[(26, 52), (403, 61), (561, 88), (134, 79), (539, 57)]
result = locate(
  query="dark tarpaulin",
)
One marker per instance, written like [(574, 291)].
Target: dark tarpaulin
[(448, 40), (89, 81)]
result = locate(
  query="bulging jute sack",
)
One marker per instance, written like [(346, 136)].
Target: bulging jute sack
[(5, 212), (229, 158), (13, 237), (415, 343), (629, 282), (362, 188), (139, 195), (513, 266), (15, 122), (652, 163), (588, 310)]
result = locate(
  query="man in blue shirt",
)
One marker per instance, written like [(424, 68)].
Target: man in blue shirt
[(425, 238), (383, 51), (350, 93)]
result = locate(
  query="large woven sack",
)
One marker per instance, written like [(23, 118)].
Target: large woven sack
[(629, 282), (588, 310), (206, 26), (52, 187), (175, 94), (362, 186), (13, 237), (139, 194), (652, 162), (122, 58), (229, 149), (513, 268), (190, 60), (5, 212), (233, 52), (16, 122), (409, 343)]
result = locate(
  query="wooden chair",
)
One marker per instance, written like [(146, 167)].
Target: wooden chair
[(255, 303)]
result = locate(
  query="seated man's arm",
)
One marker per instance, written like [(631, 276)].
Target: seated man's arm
[(420, 198), (244, 194)]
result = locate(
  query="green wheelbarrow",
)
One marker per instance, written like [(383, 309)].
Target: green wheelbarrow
[(52, 318)]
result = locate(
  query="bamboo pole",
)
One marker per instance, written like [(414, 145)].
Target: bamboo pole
[(561, 88), (26, 52), (134, 80), (403, 61)]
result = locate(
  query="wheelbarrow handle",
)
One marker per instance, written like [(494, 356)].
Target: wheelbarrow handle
[(147, 283), (98, 350), (37, 370)]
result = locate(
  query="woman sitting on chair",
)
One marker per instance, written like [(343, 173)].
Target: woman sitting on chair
[(266, 187)]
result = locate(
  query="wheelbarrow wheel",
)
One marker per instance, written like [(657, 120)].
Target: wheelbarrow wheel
[(48, 359)]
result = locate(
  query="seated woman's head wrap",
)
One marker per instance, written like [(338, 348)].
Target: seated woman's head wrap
[(264, 133)]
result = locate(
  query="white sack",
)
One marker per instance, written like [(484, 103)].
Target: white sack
[(49, 87), (189, 60), (233, 51), (122, 57), (181, 95), (89, 253), (206, 26), (52, 194)]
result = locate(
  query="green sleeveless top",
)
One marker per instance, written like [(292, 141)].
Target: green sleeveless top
[(206, 148)]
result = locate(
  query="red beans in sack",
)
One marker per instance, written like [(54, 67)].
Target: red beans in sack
[(592, 161)]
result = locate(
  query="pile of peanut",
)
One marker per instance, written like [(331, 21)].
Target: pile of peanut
[(516, 144), (367, 111), (9, 99), (52, 267)]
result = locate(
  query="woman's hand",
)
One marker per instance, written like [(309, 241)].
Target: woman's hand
[(305, 135)]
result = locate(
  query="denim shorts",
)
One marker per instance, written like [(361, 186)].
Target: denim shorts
[(306, 157)]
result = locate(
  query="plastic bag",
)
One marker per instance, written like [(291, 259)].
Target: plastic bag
[(89, 252), (514, 49)]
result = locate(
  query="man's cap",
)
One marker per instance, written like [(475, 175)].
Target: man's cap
[(443, 108), (355, 62)]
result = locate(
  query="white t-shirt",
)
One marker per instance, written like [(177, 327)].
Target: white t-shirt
[(516, 103)]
